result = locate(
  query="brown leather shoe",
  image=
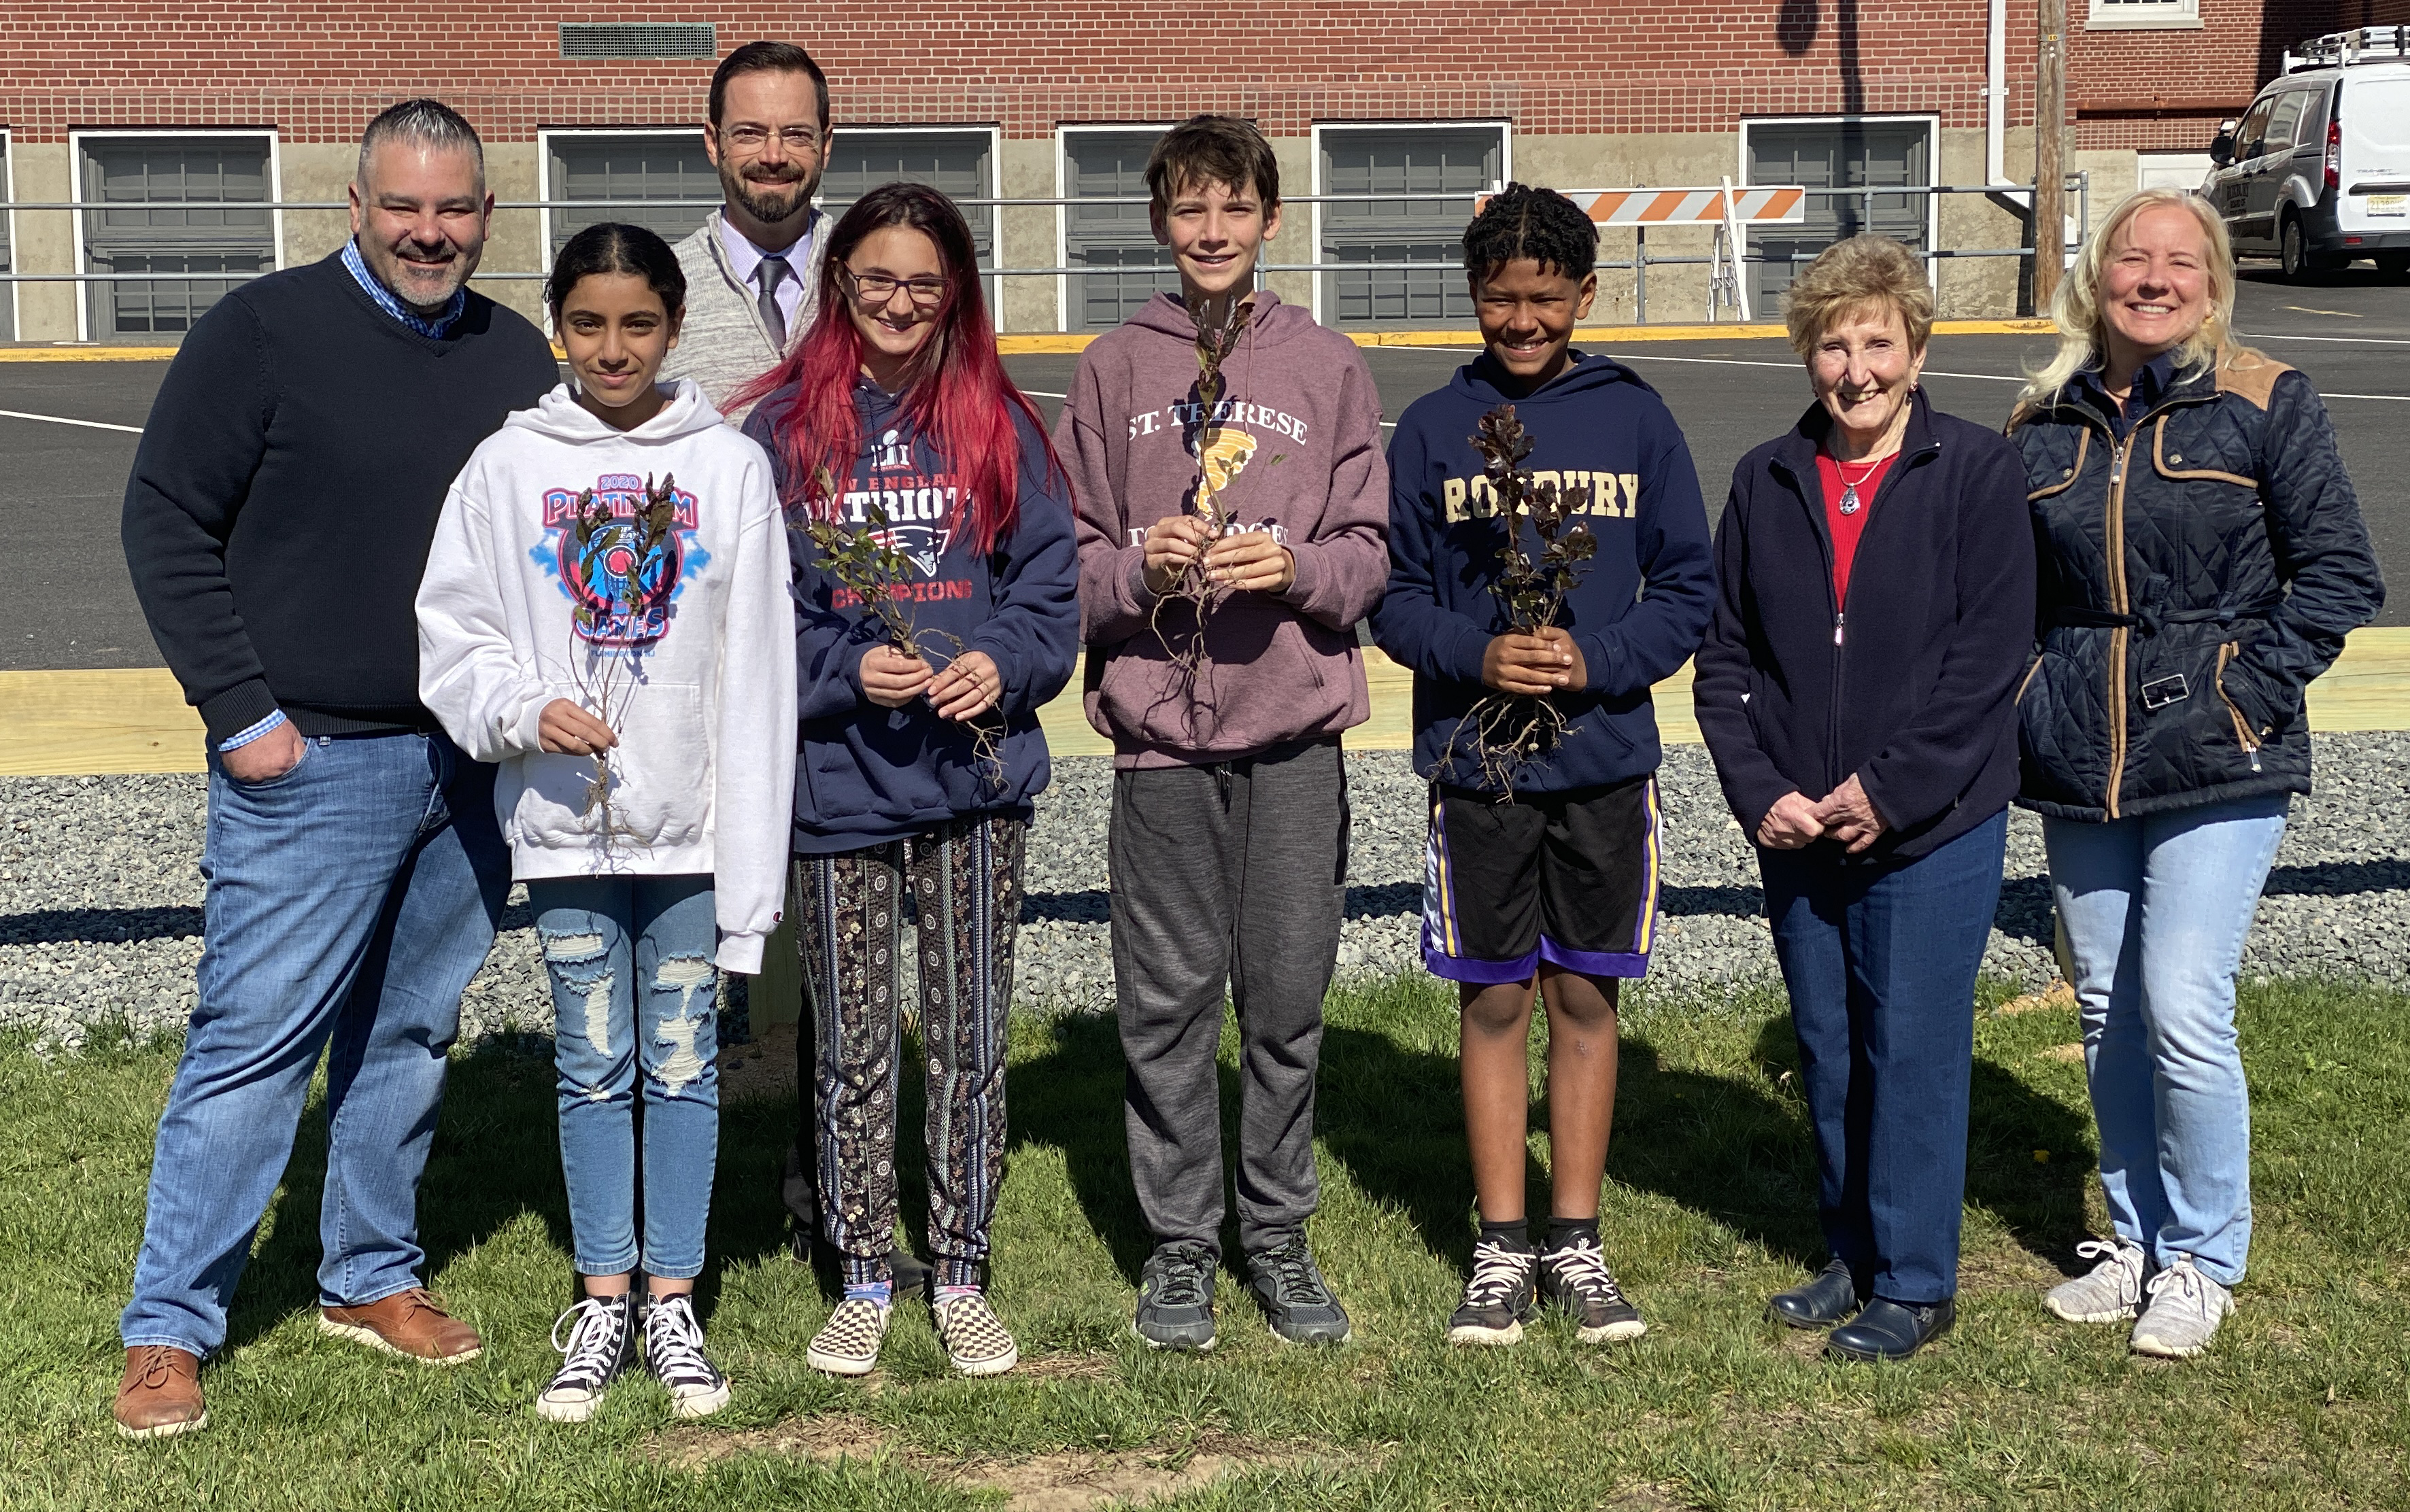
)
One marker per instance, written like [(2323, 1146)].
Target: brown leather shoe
[(159, 1396), (411, 1324)]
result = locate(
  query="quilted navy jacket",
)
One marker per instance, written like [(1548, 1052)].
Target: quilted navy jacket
[(1911, 691), (2195, 577)]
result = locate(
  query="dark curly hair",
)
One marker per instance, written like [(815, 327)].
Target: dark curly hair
[(1521, 221)]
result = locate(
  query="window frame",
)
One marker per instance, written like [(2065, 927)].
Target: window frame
[(994, 189), (8, 218), (79, 136), (2143, 16), (1504, 125), (1930, 120), (1064, 132), (551, 191)]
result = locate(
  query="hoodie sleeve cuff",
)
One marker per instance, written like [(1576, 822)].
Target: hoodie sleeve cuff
[(1307, 581), (1142, 598), (1466, 654), (1602, 666), (741, 953)]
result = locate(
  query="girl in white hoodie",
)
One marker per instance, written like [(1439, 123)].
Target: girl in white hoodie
[(605, 614)]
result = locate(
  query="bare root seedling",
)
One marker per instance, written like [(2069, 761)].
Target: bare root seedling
[(1507, 732), (1220, 323), (625, 576)]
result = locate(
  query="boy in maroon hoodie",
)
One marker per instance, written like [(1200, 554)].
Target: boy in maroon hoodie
[(1230, 820)]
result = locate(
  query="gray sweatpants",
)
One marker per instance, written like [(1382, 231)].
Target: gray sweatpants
[(1230, 875)]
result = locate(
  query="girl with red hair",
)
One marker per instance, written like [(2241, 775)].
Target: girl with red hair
[(918, 761)]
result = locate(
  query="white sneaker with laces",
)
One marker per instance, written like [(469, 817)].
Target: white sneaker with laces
[(594, 1355), (673, 1353), (848, 1343), (2185, 1309), (2111, 1291), (1500, 1294)]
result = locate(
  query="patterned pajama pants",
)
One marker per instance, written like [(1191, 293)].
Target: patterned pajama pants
[(965, 879)]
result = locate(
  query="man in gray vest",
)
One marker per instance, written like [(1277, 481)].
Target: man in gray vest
[(753, 270)]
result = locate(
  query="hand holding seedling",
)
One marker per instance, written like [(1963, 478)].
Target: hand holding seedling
[(565, 729), (1532, 663), (1849, 816), (267, 759), (891, 679), (1790, 824), (1172, 543), (1251, 561), (967, 688)]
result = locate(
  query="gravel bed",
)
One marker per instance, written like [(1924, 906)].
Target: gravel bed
[(100, 894)]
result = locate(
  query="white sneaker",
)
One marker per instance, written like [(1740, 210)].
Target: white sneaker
[(2111, 1292), (2185, 1309), (599, 1345), (848, 1343)]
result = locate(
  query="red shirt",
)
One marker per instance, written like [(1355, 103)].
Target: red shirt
[(1846, 529)]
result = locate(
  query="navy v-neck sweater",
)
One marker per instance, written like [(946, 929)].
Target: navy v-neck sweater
[(286, 487)]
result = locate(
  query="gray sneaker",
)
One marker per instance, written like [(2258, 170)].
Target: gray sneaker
[(1175, 1297), (2111, 1292), (1297, 1302), (2185, 1309)]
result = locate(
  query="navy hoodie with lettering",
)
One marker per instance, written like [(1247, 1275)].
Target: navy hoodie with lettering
[(1638, 609), (866, 774)]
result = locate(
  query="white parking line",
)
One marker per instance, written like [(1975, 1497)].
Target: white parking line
[(2346, 341), (1792, 366), (63, 420)]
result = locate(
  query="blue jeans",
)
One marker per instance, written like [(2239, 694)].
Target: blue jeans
[(2154, 912), (1880, 963), (603, 936), (349, 900)]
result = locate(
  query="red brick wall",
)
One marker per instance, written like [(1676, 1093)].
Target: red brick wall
[(2165, 91), (318, 69)]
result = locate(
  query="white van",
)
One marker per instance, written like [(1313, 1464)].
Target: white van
[(2318, 171)]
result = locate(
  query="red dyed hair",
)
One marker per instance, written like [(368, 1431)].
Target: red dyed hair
[(957, 394)]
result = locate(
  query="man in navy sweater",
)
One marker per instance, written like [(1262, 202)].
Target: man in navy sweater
[(1550, 887), (276, 525)]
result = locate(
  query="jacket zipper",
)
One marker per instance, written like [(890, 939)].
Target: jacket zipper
[(1840, 617), (2250, 742)]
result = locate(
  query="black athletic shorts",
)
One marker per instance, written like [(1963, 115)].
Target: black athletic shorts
[(1567, 878)]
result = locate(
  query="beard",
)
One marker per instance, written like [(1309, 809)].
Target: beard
[(769, 201)]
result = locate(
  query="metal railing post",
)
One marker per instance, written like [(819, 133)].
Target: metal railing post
[(1640, 274)]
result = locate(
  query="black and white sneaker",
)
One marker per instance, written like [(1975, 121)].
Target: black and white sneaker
[(673, 1353), (599, 1345), (1175, 1298), (1297, 1302), (1575, 1278), (1500, 1297)]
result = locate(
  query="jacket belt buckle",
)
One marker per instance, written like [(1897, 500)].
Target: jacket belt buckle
[(2160, 692)]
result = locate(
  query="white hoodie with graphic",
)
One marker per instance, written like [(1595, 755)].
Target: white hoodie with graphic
[(702, 777)]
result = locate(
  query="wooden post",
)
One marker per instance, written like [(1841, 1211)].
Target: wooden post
[(2050, 153)]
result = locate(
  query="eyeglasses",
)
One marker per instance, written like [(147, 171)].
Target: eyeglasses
[(878, 288), (794, 138)]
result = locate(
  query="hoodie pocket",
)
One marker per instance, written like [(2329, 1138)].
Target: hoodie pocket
[(660, 779)]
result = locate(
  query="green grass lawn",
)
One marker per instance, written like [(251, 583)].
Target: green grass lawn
[(2303, 1402)]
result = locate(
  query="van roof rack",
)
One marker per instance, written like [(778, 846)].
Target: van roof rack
[(2369, 44)]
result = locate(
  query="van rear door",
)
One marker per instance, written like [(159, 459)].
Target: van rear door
[(2375, 168)]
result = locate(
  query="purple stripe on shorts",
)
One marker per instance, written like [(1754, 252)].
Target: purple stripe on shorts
[(1481, 973), (1594, 963)]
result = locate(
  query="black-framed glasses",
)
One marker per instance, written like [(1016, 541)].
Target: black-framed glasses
[(878, 288)]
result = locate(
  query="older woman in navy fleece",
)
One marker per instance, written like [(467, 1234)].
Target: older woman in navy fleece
[(1876, 606)]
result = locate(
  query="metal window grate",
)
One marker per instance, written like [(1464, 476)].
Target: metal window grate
[(639, 39)]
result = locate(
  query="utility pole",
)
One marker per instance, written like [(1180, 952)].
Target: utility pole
[(2050, 148)]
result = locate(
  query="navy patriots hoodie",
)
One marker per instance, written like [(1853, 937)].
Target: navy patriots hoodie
[(1638, 609), (866, 774)]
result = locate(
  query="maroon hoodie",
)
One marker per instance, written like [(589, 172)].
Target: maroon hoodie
[(1299, 437)]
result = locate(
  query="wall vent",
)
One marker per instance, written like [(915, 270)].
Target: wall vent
[(639, 39)]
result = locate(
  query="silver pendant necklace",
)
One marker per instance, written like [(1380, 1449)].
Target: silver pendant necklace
[(1850, 503), (1848, 497)]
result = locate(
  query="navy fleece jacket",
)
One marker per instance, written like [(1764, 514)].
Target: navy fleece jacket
[(1637, 610), (866, 774)]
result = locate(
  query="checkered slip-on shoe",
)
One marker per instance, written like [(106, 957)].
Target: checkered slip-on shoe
[(848, 1343), (975, 1338)]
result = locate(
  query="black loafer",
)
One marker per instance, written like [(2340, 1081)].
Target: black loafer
[(1830, 1296), (1892, 1331)]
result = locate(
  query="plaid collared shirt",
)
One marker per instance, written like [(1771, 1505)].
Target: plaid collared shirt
[(432, 329)]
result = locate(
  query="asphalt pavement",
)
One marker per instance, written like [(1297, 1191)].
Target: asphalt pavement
[(63, 476)]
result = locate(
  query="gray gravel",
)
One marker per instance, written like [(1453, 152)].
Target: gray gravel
[(100, 894)]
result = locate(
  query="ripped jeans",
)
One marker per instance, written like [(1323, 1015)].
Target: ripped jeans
[(602, 936)]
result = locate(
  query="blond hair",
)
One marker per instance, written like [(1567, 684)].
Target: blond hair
[(1865, 274), (2084, 325)]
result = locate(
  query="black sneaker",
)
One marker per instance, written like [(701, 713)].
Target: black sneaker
[(1576, 1278), (600, 1344), (673, 1353), (1500, 1295), (1296, 1301), (1175, 1298)]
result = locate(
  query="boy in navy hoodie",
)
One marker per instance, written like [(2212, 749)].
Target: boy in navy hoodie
[(1549, 889)]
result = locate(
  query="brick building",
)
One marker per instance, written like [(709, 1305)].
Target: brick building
[(219, 114)]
